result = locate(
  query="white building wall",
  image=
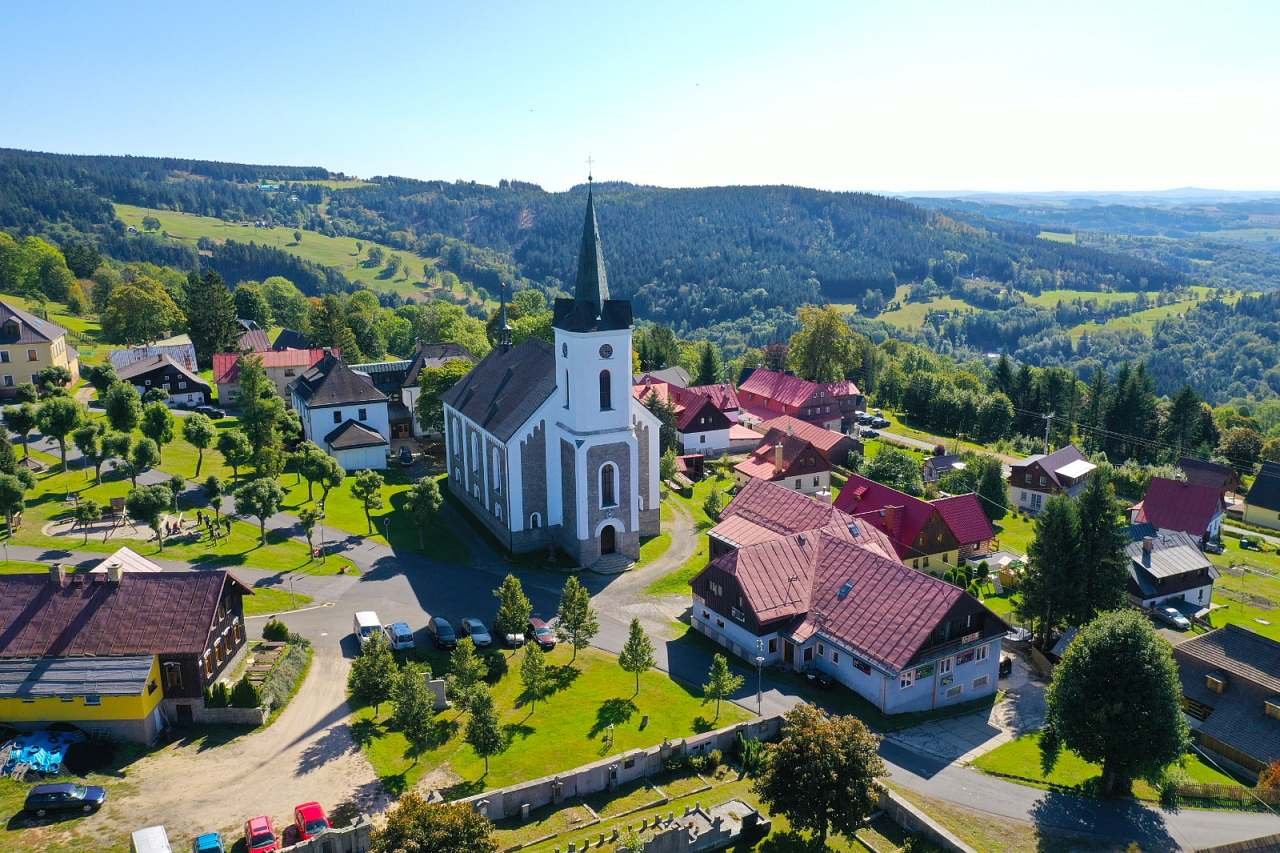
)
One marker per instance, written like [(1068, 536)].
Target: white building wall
[(361, 458), (709, 441), (734, 636), (319, 422)]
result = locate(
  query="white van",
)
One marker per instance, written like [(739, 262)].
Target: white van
[(366, 626), (152, 839)]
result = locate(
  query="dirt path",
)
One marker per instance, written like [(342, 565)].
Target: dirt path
[(306, 754)]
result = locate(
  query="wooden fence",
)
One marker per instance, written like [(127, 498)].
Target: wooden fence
[(1234, 796)]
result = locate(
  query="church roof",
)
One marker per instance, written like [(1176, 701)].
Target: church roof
[(506, 387), (591, 309)]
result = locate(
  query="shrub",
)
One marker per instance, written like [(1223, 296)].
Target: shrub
[(245, 695), (217, 695), (1270, 776), (275, 630), (676, 762), (287, 673), (714, 759), (750, 754)]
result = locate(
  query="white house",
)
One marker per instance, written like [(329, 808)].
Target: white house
[(545, 443), (343, 412), (1167, 568)]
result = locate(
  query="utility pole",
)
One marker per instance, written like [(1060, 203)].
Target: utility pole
[(1048, 419)]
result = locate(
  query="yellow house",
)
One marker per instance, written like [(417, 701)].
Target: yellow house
[(1262, 504), (28, 345), (118, 697)]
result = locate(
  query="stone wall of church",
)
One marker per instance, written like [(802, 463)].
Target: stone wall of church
[(627, 539), (496, 500), (650, 516), (569, 496), (533, 476)]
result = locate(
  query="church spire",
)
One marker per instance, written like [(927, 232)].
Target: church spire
[(593, 285), (504, 328)]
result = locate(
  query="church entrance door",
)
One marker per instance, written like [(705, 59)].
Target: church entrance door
[(608, 540)]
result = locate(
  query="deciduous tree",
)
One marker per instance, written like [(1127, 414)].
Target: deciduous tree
[(637, 653), (123, 407), (86, 512), (199, 432), (373, 674), (896, 469), (483, 732), (467, 670), (423, 500), (415, 826), (260, 498), (576, 620), (148, 504), (825, 348), (13, 492), (235, 449), (88, 440), (58, 417), (367, 488), (533, 673), (433, 382), (157, 424), (412, 707), (722, 682), (144, 456), (22, 420), (514, 607)]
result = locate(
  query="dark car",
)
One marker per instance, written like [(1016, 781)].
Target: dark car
[(1214, 547), (868, 433), (879, 423), (405, 456), (543, 634), (64, 797), (442, 633), (211, 412)]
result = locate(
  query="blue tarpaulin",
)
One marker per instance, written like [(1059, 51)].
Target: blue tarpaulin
[(43, 751)]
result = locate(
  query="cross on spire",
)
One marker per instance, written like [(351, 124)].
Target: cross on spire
[(590, 163)]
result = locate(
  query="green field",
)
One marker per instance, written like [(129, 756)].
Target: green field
[(1142, 321), (336, 252), (677, 582), (911, 315), (1050, 298), (1058, 236)]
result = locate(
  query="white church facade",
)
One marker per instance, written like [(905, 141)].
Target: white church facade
[(545, 443)]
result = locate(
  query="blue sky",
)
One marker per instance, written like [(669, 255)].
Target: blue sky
[(848, 95)]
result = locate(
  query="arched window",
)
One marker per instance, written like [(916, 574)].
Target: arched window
[(497, 470), (606, 391), (535, 521), (608, 484), (476, 458), (566, 389)]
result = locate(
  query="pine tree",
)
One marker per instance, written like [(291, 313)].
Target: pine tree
[(710, 365), (1103, 566), (1002, 375), (637, 654), (211, 316), (1050, 586)]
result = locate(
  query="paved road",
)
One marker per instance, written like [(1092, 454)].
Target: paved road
[(1274, 540), (411, 587)]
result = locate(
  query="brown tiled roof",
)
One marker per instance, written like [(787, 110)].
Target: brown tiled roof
[(1250, 665), (351, 434), (506, 387), (964, 516), (1205, 473), (763, 510), (146, 613), (799, 457), (723, 395), (253, 340), (1175, 505), (699, 414), (1237, 651), (31, 329)]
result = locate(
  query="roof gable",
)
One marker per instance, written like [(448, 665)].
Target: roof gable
[(1265, 491), (22, 327), (876, 502), (963, 515), (700, 414), (1176, 505), (506, 387), (820, 437), (151, 364), (332, 382)]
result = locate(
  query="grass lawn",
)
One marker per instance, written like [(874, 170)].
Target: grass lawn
[(1015, 532), (1143, 321), (1050, 298), (1001, 605), (1019, 760), (653, 548), (22, 567), (1058, 236), (336, 252), (272, 600), (677, 582), (898, 426), (911, 315), (986, 832), (344, 512), (1251, 600), (564, 731)]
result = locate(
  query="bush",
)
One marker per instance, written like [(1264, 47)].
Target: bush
[(714, 759), (276, 631), (676, 762), (284, 678), (216, 695), (750, 754), (245, 695)]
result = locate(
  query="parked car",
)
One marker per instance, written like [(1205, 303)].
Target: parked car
[(442, 633), (1214, 547), (149, 839), (260, 836), (1006, 666), (542, 634), (1018, 637), (310, 820), (64, 797), (405, 456), (862, 417), (475, 629), (365, 625), (210, 842), (211, 411), (879, 423), (1249, 544), (1171, 616), (868, 432), (400, 635)]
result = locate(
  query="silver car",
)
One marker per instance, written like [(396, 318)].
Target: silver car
[(475, 629), (1172, 617)]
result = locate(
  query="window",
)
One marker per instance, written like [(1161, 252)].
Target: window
[(702, 438), (719, 623), (915, 564), (944, 666), (798, 486), (31, 355), (4, 356), (815, 482), (808, 654), (146, 382), (182, 384), (715, 588), (337, 416), (954, 691), (496, 457), (566, 382), (362, 414), (822, 650), (172, 675), (980, 653), (535, 521), (8, 381), (906, 679), (608, 492), (862, 667), (606, 391), (773, 646), (980, 682), (497, 511), (92, 699), (289, 371), (835, 657)]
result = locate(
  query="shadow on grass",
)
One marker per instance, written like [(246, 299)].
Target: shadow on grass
[(789, 842), (364, 731), (394, 784), (702, 724), (511, 731), (463, 789), (612, 712)]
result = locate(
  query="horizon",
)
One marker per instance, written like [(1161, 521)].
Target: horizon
[(888, 98)]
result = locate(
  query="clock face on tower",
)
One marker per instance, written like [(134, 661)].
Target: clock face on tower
[(606, 351)]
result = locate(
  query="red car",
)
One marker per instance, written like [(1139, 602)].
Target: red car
[(259, 836), (542, 633), (310, 820)]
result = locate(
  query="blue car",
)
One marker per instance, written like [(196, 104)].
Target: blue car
[(210, 842)]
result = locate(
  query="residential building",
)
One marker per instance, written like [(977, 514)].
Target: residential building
[(703, 428), (29, 344), (940, 464), (177, 347), (292, 339), (901, 639), (1262, 503), (765, 394), (344, 413), (1177, 505), (762, 511), (1035, 479), (675, 375), (790, 461), (1167, 568), (252, 337), (281, 366), (1231, 695), (1201, 472), (932, 536), (116, 652), (546, 445), (706, 416), (428, 355), (183, 386), (835, 447)]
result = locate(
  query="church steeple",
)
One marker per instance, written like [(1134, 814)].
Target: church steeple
[(593, 284)]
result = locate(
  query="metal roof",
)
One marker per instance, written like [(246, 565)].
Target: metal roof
[(1075, 469), (1172, 553), (74, 676), (128, 561)]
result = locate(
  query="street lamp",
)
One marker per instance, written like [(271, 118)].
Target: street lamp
[(321, 522), (759, 678), (293, 596)]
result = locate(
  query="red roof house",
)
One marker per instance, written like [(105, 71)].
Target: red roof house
[(282, 366), (766, 394), (789, 460), (1175, 505), (834, 446)]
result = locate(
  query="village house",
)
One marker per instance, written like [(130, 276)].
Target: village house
[(177, 347), (253, 338), (183, 386), (344, 413), (1202, 472), (835, 447), (1177, 505), (1035, 479), (281, 366), (765, 394), (1167, 568), (292, 339), (1262, 503), (120, 653), (932, 536), (706, 416), (674, 375), (936, 466), (901, 639), (546, 445), (790, 461), (427, 355), (1231, 695), (29, 344)]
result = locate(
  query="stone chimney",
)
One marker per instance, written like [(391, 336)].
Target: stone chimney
[(58, 575), (777, 458), (890, 515), (115, 572)]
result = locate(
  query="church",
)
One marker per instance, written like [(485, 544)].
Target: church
[(545, 443)]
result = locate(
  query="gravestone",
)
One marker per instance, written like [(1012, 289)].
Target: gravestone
[(436, 686)]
